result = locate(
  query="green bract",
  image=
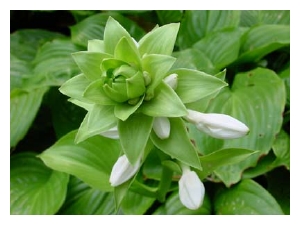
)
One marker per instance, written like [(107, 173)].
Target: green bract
[(122, 85)]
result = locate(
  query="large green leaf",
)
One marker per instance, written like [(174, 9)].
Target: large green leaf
[(257, 98), (34, 188), (134, 134), (173, 206), (136, 204), (262, 40), (193, 58), (90, 160), (25, 43), (24, 106), (178, 144), (194, 85), (19, 69), (281, 148), (53, 64), (246, 198), (250, 18), (93, 28), (222, 48), (169, 16), (196, 24), (84, 200)]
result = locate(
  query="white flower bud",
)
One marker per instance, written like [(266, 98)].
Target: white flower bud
[(122, 171), (161, 126), (172, 80), (111, 133), (191, 190), (217, 125)]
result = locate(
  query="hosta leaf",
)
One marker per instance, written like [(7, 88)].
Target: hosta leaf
[(250, 18), (246, 198), (25, 43), (173, 206), (24, 106), (89, 63), (263, 39), (222, 157), (19, 69), (166, 103), (222, 48), (259, 96), (134, 134), (196, 24), (169, 16), (136, 204), (98, 119), (281, 148), (194, 85), (193, 58), (160, 40), (34, 188), (83, 200), (178, 145), (90, 160), (93, 28)]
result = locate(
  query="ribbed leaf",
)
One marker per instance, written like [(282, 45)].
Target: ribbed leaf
[(54, 64), (34, 188), (222, 48), (134, 134), (19, 69), (160, 40), (250, 18), (194, 85), (24, 106), (178, 144), (173, 206), (196, 24), (84, 200), (169, 16), (90, 160), (263, 39), (193, 58), (93, 28), (25, 43), (246, 198), (257, 98)]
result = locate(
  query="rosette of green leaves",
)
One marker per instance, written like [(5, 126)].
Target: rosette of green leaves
[(122, 84)]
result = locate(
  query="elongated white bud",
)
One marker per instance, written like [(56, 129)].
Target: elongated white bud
[(161, 126), (172, 80), (217, 125), (122, 171), (112, 133), (191, 190)]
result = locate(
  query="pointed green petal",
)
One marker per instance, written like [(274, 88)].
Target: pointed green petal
[(112, 35), (75, 87), (178, 145), (160, 40), (89, 63), (157, 66), (96, 45), (194, 85), (111, 63), (124, 110), (113, 94), (94, 93), (99, 119), (134, 134), (166, 103), (128, 52)]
